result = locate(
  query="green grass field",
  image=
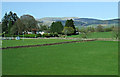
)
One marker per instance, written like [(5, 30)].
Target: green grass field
[(8, 43), (95, 35), (85, 58)]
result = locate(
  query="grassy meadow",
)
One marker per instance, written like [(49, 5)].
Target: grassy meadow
[(51, 38), (95, 35), (85, 58), (11, 43)]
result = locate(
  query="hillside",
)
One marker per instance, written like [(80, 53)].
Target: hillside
[(79, 21)]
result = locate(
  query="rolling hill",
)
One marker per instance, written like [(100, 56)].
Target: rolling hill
[(79, 21)]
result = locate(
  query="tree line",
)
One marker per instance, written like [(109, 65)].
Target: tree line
[(12, 24)]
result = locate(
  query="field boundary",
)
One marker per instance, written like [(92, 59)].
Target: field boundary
[(39, 45)]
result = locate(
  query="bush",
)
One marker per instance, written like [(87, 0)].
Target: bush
[(83, 30), (34, 35), (8, 35), (29, 35), (50, 35), (90, 29), (108, 29), (68, 30), (55, 34), (39, 35), (100, 28), (46, 35), (84, 35)]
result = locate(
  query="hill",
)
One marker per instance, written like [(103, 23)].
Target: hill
[(79, 21)]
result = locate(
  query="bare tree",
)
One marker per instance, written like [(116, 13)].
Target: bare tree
[(115, 32)]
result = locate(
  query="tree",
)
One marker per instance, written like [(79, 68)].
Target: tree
[(18, 27), (15, 17), (12, 18), (70, 23), (0, 28), (5, 23), (82, 29), (56, 27), (85, 31), (116, 32), (90, 29), (10, 26), (29, 22), (68, 30), (108, 29), (8, 21), (100, 28), (43, 27)]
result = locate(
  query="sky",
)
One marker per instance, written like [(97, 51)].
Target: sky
[(97, 10)]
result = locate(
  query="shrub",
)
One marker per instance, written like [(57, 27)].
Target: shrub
[(50, 35), (8, 35), (84, 35), (25, 35), (100, 28), (108, 29), (39, 35), (68, 30), (90, 29), (29, 36), (46, 35), (55, 34)]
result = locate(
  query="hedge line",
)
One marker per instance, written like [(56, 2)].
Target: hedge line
[(33, 35)]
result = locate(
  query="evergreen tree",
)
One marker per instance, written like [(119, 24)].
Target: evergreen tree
[(15, 17), (56, 27), (52, 27), (8, 21), (70, 23), (43, 27), (5, 23)]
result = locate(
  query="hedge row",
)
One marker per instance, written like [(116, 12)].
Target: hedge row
[(33, 35)]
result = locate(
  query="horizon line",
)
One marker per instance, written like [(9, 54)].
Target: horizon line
[(77, 17)]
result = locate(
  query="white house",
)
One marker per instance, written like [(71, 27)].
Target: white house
[(29, 32), (41, 33)]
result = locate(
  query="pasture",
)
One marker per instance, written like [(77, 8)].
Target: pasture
[(85, 58), (11, 43), (95, 35)]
